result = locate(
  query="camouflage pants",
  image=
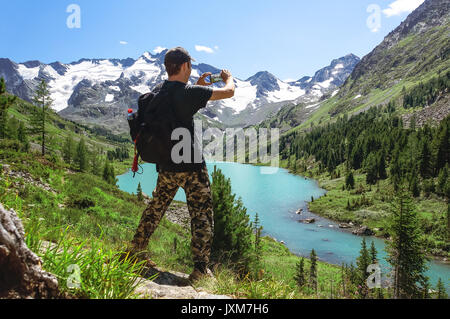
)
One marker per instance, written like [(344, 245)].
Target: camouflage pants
[(198, 196)]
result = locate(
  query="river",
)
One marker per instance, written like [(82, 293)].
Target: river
[(276, 198)]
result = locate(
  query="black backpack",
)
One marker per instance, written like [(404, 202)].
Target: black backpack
[(152, 128)]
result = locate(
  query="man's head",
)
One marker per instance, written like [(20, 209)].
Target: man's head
[(178, 64)]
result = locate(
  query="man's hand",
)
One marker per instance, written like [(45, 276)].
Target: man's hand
[(201, 80), (227, 91), (225, 74)]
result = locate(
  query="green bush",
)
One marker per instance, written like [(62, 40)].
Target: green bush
[(81, 202)]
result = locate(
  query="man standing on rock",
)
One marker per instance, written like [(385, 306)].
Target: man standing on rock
[(191, 176)]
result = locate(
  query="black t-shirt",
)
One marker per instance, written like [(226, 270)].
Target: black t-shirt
[(187, 100)]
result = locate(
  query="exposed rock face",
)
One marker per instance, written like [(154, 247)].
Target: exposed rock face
[(431, 114), (363, 231), (27, 178), (21, 275)]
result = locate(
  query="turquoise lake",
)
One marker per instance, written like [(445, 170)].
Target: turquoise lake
[(276, 197)]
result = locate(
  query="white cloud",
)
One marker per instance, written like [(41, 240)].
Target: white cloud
[(202, 48), (158, 49), (216, 47), (401, 6), (123, 42)]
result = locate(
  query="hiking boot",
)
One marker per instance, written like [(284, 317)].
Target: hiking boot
[(198, 274), (134, 256)]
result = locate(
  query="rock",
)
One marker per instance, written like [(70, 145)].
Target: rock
[(308, 220), (171, 285), (21, 275), (282, 242), (299, 211), (344, 225), (362, 231)]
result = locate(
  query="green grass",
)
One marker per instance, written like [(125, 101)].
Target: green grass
[(275, 280)]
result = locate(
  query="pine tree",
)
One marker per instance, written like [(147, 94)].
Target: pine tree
[(95, 164), (371, 169), (300, 273), (68, 149), (381, 167), (42, 102), (12, 128), (443, 180), (257, 229), (5, 102), (425, 160), (443, 148), (232, 241), (140, 197), (313, 271), (350, 180), (22, 137), (81, 156), (362, 262), (373, 253), (414, 186), (108, 173), (441, 292), (405, 250)]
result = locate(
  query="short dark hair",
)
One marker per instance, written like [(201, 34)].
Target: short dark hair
[(173, 68), (174, 59)]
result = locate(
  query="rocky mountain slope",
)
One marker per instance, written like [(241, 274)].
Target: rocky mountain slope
[(99, 91), (418, 49), (413, 53)]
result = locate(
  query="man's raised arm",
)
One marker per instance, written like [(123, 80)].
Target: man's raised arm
[(227, 91)]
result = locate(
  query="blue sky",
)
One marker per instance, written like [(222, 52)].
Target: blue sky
[(289, 38)]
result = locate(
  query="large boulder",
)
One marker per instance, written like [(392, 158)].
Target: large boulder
[(21, 275), (362, 231)]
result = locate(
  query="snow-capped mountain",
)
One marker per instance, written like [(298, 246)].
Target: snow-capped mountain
[(330, 77), (99, 91)]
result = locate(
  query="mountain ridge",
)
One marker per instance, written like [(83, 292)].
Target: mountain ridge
[(113, 85)]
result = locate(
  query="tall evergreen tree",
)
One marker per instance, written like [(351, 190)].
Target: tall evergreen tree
[(81, 156), (232, 240), (349, 180), (405, 250), (362, 262), (425, 160), (108, 173), (313, 271), (371, 168), (38, 118), (5, 102), (23, 137), (257, 229), (373, 253), (441, 293), (443, 147), (95, 164), (68, 148), (300, 276)]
